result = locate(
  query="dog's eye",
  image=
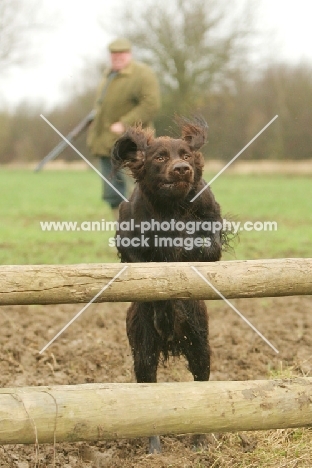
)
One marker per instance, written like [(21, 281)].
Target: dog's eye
[(161, 156), (185, 156)]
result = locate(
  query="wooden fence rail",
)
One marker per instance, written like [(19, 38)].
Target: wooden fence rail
[(110, 411), (57, 284)]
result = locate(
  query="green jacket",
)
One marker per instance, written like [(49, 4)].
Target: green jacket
[(131, 96)]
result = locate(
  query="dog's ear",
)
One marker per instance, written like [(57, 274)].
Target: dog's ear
[(129, 149), (194, 131)]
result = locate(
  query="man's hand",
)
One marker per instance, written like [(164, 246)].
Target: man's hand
[(117, 127)]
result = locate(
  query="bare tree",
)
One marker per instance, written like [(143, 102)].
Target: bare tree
[(18, 20), (193, 45)]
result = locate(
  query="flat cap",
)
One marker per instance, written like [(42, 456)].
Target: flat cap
[(120, 45)]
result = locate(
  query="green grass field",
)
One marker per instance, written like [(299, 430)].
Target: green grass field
[(28, 198)]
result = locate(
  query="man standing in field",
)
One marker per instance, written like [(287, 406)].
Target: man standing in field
[(128, 94)]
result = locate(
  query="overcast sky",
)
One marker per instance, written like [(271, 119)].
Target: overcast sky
[(74, 34)]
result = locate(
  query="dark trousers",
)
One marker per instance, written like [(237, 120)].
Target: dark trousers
[(117, 180)]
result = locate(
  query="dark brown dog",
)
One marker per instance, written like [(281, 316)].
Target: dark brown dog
[(168, 175)]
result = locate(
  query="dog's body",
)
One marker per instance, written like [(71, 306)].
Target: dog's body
[(168, 173)]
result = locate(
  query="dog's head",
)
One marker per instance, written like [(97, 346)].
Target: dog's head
[(164, 166)]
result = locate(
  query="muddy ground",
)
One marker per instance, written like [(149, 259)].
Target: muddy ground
[(95, 349)]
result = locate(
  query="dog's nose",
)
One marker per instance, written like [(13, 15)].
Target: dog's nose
[(181, 168)]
